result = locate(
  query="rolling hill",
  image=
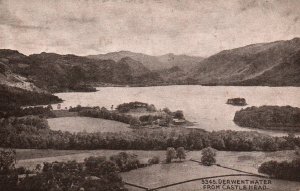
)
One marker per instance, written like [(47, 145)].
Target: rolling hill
[(57, 73), (258, 64), (269, 64), (154, 63)]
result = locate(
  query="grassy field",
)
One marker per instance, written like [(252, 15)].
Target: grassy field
[(247, 161), (276, 185), (162, 174), (30, 157), (87, 124)]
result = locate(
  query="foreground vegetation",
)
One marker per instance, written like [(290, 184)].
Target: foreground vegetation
[(282, 170), (285, 118), (95, 173), (34, 132)]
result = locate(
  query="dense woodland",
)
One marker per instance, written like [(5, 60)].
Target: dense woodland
[(285, 118), (95, 173), (126, 107), (12, 97), (282, 170), (20, 112), (34, 132), (165, 117)]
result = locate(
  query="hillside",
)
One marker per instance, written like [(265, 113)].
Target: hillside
[(129, 71), (173, 75), (57, 73), (287, 73), (272, 64), (153, 63), (257, 64), (184, 62), (12, 97)]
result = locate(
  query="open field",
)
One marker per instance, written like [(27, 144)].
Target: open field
[(162, 174), (87, 124), (25, 154), (247, 161), (275, 185), (78, 155)]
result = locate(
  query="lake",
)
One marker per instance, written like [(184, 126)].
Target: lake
[(205, 105)]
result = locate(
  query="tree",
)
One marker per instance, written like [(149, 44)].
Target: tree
[(208, 156), (135, 122), (178, 114), (167, 110), (171, 154), (297, 150), (181, 153), (7, 160), (154, 160), (50, 107)]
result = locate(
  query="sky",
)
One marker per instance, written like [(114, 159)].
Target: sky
[(155, 27)]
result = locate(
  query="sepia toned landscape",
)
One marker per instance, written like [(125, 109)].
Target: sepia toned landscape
[(149, 95)]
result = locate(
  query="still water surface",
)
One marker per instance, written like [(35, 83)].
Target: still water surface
[(205, 105)]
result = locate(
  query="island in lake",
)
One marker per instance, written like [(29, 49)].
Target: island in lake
[(285, 118), (237, 101)]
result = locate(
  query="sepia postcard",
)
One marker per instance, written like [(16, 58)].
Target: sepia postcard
[(149, 95)]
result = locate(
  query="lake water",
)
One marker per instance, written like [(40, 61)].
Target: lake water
[(205, 105)]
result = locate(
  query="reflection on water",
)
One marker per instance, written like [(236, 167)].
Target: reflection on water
[(202, 104)]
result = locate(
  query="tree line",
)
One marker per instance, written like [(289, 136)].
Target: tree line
[(165, 118), (95, 173), (20, 112), (12, 97), (283, 170), (34, 132)]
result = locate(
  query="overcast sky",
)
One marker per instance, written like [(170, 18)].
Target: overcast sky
[(192, 27)]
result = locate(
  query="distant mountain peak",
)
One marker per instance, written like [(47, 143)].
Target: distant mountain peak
[(154, 63)]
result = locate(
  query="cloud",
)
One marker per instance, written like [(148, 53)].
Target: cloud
[(81, 20), (7, 18), (198, 27)]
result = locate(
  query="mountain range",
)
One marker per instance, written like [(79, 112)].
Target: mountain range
[(154, 63), (271, 64)]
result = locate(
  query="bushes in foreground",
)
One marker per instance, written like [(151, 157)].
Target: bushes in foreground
[(34, 132), (208, 156), (99, 174), (283, 170)]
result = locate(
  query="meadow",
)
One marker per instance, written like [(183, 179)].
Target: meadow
[(86, 124), (162, 174)]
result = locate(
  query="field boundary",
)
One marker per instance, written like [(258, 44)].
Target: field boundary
[(191, 180), (202, 178), (221, 166)]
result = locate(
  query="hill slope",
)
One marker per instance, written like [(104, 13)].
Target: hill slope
[(153, 63), (245, 65), (56, 73)]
